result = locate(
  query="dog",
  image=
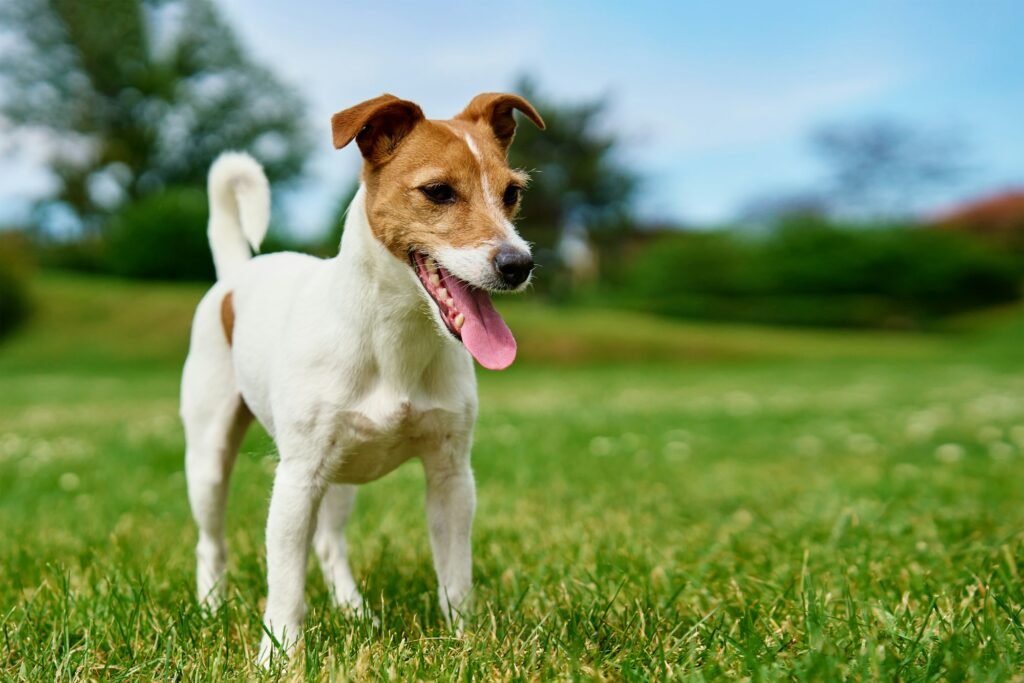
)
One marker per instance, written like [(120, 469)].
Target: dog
[(358, 363)]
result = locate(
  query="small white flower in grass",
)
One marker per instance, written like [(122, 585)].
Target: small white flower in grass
[(676, 450), (631, 441), (993, 406), (742, 517), (1000, 450), (658, 575), (10, 444), (740, 403), (69, 481), (808, 444), (906, 471), (600, 446), (922, 425), (506, 434), (949, 453), (677, 435), (787, 399), (862, 444), (989, 433)]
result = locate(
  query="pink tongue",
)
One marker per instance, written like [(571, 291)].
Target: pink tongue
[(484, 333)]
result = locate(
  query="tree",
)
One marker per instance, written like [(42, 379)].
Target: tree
[(883, 168), (577, 176), (139, 95)]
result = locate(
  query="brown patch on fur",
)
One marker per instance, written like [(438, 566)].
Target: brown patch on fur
[(227, 316), (404, 152), (495, 110), (377, 126)]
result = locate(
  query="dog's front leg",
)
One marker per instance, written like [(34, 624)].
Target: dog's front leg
[(451, 501), (293, 505)]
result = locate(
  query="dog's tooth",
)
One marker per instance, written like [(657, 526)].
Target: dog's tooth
[(434, 279), (442, 294), (431, 266), (450, 303), (459, 321)]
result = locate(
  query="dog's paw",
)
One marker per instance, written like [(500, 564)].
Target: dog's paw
[(354, 607), (279, 647), (212, 600), (456, 617), (350, 601)]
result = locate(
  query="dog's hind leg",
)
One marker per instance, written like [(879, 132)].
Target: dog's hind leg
[(215, 419), (330, 546)]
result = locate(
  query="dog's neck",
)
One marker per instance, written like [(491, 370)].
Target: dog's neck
[(381, 297)]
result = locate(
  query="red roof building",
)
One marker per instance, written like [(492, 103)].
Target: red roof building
[(998, 217)]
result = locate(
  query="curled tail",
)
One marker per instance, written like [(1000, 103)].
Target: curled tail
[(239, 210)]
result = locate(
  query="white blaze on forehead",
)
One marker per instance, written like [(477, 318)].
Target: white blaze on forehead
[(511, 235)]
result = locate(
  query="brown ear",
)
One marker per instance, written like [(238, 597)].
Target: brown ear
[(377, 125), (495, 109)]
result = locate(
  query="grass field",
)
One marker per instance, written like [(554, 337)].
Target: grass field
[(656, 500)]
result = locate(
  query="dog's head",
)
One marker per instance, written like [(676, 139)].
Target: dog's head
[(440, 195)]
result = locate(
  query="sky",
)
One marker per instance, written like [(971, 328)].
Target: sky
[(714, 101)]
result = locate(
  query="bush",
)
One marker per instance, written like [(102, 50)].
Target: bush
[(15, 304), (162, 237), (85, 255), (811, 272)]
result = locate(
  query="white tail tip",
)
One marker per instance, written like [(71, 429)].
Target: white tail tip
[(239, 209)]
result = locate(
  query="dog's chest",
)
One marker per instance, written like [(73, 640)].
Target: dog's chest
[(364, 445)]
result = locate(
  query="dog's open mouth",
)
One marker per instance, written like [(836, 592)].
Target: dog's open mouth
[(468, 313)]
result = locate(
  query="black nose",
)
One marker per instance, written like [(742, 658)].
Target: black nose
[(513, 265)]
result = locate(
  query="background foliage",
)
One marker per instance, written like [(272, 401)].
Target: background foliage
[(139, 95), (813, 272), (14, 295)]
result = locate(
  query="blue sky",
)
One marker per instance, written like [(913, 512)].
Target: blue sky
[(715, 100)]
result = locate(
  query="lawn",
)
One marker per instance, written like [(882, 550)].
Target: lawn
[(656, 500)]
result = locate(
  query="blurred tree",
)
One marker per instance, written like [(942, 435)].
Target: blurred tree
[(578, 177), (138, 95), (15, 267), (765, 211), (883, 168)]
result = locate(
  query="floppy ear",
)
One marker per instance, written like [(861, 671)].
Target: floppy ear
[(377, 125), (495, 109)]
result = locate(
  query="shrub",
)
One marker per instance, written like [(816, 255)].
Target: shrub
[(811, 272), (86, 254), (162, 237), (15, 304)]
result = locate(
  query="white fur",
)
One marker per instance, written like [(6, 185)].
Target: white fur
[(347, 365), (471, 264), (239, 210), (511, 234)]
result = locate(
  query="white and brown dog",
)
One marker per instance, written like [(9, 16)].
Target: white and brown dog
[(359, 363)]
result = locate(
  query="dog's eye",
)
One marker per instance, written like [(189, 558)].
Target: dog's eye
[(439, 193), (511, 195)]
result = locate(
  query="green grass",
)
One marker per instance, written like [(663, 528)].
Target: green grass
[(656, 500)]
